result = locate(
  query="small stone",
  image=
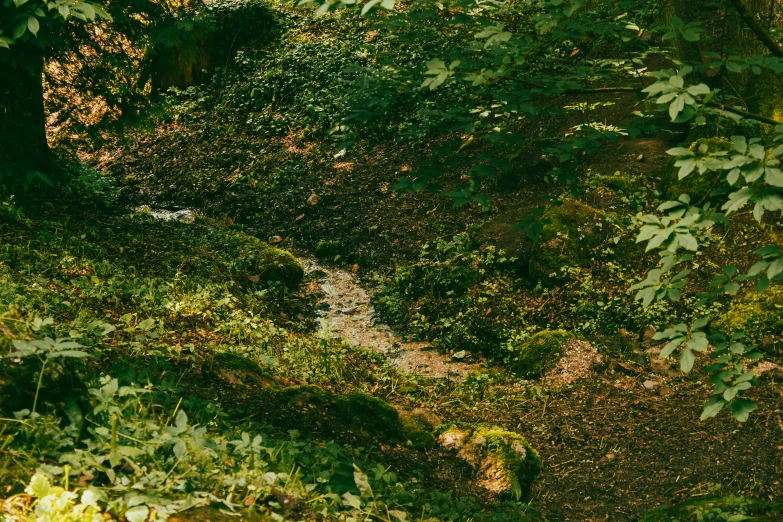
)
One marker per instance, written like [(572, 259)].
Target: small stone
[(640, 157), (651, 385), (275, 239), (314, 199)]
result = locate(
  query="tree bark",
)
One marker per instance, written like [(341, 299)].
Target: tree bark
[(23, 144), (750, 19)]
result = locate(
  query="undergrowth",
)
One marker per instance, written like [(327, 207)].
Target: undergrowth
[(115, 398)]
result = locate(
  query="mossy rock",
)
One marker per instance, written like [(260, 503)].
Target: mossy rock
[(329, 249), (759, 315), (716, 508), (697, 186), (237, 371), (250, 260), (301, 395), (571, 238), (417, 431), (504, 461), (619, 181), (369, 413), (539, 352)]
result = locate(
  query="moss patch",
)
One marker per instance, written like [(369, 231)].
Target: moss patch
[(504, 461), (329, 249), (760, 315), (718, 508), (417, 431), (237, 371), (539, 352), (252, 260), (368, 413), (573, 235)]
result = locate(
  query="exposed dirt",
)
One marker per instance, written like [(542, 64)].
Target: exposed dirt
[(613, 449)]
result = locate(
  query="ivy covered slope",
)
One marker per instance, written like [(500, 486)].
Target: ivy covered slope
[(155, 370)]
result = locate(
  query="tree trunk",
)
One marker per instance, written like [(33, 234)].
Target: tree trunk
[(23, 145)]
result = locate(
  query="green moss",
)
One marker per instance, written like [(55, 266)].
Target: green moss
[(758, 314), (539, 352), (302, 394), (251, 260), (368, 413), (329, 249), (575, 232), (717, 508), (619, 181), (504, 461), (417, 431), (698, 186), (232, 361), (515, 461)]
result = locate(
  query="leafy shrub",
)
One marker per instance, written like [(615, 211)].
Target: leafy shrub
[(571, 238), (240, 23), (699, 184), (456, 296), (759, 315)]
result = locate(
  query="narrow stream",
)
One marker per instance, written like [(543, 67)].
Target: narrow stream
[(347, 312)]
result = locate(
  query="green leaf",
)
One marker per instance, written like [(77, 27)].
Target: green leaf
[(700, 323), (33, 26), (362, 482), (741, 409), (686, 360), (67, 353), (712, 407), (369, 5), (137, 514), (773, 177), (20, 29), (691, 34), (40, 486)]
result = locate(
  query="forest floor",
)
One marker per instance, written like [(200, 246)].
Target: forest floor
[(404, 298)]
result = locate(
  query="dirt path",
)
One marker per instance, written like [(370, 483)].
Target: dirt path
[(347, 312)]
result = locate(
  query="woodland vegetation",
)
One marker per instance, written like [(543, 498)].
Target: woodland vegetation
[(391, 261)]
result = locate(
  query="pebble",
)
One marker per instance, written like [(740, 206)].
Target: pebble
[(651, 385)]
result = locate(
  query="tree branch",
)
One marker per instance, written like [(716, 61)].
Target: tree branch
[(750, 20), (739, 112), (745, 114)]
